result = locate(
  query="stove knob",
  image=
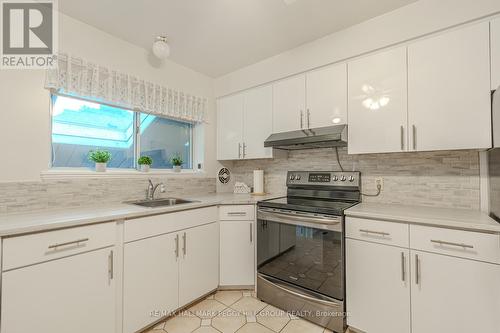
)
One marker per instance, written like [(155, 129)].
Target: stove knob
[(297, 177), (292, 177), (343, 178), (335, 178), (351, 179)]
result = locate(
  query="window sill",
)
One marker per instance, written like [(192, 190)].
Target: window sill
[(78, 173)]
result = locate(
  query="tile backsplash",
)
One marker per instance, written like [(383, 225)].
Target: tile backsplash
[(443, 179), (54, 194)]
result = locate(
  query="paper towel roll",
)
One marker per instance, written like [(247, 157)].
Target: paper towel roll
[(258, 181)]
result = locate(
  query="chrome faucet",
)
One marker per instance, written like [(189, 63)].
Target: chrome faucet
[(150, 193)]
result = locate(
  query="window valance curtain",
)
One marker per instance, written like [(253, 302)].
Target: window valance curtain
[(83, 79)]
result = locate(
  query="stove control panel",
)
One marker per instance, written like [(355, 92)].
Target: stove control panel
[(326, 178)]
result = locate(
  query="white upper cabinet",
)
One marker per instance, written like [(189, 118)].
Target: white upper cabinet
[(257, 122), (289, 104), (449, 104), (230, 127), (495, 53), (244, 122), (378, 103), (326, 96)]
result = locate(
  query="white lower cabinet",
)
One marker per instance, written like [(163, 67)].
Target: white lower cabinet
[(151, 279), (74, 294), (199, 266), (454, 295), (166, 272), (378, 288), (237, 253), (421, 288)]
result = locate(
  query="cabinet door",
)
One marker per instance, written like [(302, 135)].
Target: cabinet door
[(378, 103), (377, 287), (289, 103), (74, 293), (495, 54), (449, 103), (454, 295), (150, 281), (230, 127), (326, 96), (237, 253), (258, 122), (199, 267)]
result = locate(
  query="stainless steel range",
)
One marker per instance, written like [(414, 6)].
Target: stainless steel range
[(300, 246)]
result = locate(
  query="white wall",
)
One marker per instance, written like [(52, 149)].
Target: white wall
[(24, 103), (403, 24)]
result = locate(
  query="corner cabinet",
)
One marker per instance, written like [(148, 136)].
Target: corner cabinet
[(449, 102), (244, 121), (495, 53), (378, 103), (54, 281)]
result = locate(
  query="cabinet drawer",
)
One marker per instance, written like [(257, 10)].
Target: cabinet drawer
[(35, 248), (459, 243), (390, 233), (237, 213), (170, 222)]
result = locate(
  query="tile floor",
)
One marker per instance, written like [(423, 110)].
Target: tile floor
[(235, 312)]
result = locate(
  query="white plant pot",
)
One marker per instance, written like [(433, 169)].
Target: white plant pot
[(177, 168), (145, 167), (100, 167)]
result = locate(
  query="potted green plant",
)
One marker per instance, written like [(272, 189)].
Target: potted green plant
[(145, 163), (100, 158), (176, 161)]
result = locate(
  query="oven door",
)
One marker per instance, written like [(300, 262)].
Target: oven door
[(302, 249)]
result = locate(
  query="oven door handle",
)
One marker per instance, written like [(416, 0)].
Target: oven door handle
[(301, 295), (283, 217)]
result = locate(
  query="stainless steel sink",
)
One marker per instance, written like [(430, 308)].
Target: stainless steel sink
[(160, 202)]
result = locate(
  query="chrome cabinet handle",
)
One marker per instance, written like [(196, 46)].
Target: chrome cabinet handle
[(301, 119), (402, 138), (184, 246), (403, 267), (176, 246), (417, 269), (414, 134), (251, 233), (111, 268), (440, 242), (237, 213), (308, 119), (77, 242), (239, 150), (382, 233)]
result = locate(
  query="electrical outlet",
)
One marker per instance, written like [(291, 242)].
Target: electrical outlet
[(379, 181)]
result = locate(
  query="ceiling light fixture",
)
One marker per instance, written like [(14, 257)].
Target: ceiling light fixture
[(161, 49)]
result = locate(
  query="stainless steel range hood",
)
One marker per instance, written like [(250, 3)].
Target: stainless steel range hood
[(322, 137)]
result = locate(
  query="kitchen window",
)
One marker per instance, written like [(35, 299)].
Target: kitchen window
[(79, 126)]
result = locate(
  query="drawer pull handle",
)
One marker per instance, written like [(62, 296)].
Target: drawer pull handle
[(382, 233), (77, 242), (440, 242), (237, 213)]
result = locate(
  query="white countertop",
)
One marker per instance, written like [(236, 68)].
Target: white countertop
[(20, 223), (439, 217)]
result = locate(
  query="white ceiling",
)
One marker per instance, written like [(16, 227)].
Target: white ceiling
[(216, 37)]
